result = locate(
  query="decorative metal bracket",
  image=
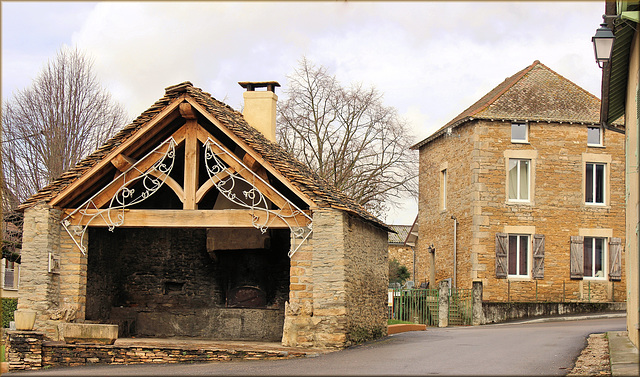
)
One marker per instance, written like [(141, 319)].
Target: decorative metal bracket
[(254, 199), (225, 179), (152, 179)]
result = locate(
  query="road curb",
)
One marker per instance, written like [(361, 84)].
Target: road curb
[(623, 354)]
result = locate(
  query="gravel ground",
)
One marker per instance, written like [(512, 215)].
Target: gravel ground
[(594, 359)]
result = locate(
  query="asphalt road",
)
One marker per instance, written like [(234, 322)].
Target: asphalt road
[(542, 348)]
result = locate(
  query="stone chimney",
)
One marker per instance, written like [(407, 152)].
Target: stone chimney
[(260, 107)]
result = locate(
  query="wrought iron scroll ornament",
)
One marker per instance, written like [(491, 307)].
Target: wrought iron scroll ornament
[(225, 179), (253, 198), (113, 215)]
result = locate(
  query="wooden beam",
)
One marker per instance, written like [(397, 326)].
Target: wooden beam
[(123, 163), (209, 184), (227, 218), (191, 159), (250, 151), (255, 166), (112, 188), (87, 179), (224, 155)]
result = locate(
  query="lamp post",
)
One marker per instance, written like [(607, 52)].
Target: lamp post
[(603, 44)]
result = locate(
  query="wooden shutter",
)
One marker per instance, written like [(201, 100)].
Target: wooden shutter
[(615, 259), (502, 249), (577, 257), (538, 256)]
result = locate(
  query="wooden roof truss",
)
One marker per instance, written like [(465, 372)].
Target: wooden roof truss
[(260, 206)]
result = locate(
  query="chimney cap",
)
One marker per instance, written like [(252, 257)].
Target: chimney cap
[(252, 85)]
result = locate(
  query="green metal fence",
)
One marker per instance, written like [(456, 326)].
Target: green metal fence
[(461, 307), (422, 306), (415, 305)]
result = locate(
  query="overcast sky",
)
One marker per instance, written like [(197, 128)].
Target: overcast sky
[(431, 60)]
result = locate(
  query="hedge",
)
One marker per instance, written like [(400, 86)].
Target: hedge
[(9, 305)]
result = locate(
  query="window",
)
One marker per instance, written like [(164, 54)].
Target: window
[(518, 258), (594, 136), (519, 133), (594, 183), (519, 179), (594, 250), (10, 272), (596, 254), (443, 189)]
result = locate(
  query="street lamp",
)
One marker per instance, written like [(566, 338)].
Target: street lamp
[(603, 44)]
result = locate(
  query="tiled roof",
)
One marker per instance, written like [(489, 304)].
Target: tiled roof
[(317, 189), (536, 93), (401, 232)]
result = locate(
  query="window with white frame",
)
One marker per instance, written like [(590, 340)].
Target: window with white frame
[(594, 191), (519, 132), (519, 170), (594, 136), (594, 257), (518, 257)]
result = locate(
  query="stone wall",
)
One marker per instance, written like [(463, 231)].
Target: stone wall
[(435, 225), (23, 349), (163, 282), (78, 355), (475, 159), (338, 283), (366, 280), (39, 289), (404, 255)]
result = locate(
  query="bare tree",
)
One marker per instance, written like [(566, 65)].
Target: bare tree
[(48, 127), (348, 136)]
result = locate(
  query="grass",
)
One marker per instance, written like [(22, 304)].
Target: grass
[(398, 322)]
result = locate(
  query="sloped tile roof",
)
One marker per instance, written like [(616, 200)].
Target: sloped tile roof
[(317, 189), (536, 93), (401, 232)]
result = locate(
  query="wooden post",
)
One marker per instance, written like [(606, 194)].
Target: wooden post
[(191, 157)]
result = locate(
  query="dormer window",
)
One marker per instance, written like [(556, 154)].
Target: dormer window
[(519, 132), (594, 136)]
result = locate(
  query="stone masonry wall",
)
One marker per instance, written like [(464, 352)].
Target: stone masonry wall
[(366, 280), (453, 153), (326, 306), (163, 282), (39, 289), (474, 157), (404, 256), (557, 209)]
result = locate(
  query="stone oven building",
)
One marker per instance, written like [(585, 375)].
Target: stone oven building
[(524, 191), (191, 222)]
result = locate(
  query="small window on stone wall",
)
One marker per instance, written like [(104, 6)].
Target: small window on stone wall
[(173, 287)]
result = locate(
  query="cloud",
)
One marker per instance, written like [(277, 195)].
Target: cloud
[(431, 60)]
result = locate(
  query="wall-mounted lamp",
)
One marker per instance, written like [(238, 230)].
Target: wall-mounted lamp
[(432, 249), (603, 44)]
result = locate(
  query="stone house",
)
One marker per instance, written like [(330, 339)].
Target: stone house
[(621, 92), (191, 221), (524, 192)]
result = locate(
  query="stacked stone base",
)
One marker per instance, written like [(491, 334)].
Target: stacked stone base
[(28, 350), (57, 355)]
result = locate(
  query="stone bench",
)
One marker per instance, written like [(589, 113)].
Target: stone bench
[(93, 333)]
